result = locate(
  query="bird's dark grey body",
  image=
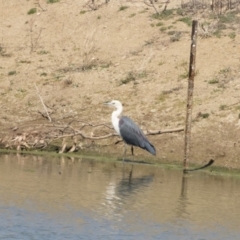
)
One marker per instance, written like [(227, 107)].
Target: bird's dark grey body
[(129, 130), (133, 135)]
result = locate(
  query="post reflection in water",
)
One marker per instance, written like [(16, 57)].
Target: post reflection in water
[(181, 210), (59, 198)]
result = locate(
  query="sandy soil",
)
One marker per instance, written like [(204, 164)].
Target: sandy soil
[(80, 58)]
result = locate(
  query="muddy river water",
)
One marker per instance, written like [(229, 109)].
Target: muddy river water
[(43, 197)]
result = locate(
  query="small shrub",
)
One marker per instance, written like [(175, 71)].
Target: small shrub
[(159, 24), (232, 35), (180, 11), (229, 17), (163, 29), (122, 8), (222, 26), (43, 74), (132, 15), (222, 107), (176, 37), (164, 15), (43, 52), (52, 1), (225, 70), (213, 81), (186, 20), (183, 75), (129, 78), (12, 73), (105, 64), (3, 52), (132, 76), (25, 61), (205, 115), (67, 82), (162, 97), (82, 12), (149, 42), (32, 11), (218, 33), (171, 32)]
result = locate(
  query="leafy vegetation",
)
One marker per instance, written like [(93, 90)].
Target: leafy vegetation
[(12, 73), (52, 1), (186, 20), (32, 11), (213, 81), (132, 76), (122, 8), (167, 14)]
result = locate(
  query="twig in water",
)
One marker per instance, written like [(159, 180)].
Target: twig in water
[(195, 169)]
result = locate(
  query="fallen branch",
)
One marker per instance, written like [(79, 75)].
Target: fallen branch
[(83, 135), (39, 136), (164, 131)]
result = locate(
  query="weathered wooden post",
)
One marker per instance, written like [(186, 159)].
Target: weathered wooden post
[(192, 68)]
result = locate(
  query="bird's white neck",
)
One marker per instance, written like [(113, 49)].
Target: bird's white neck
[(115, 118)]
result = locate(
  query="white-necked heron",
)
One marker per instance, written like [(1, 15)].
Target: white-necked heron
[(129, 130)]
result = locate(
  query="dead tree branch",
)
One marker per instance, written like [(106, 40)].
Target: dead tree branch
[(151, 3), (72, 136), (44, 106)]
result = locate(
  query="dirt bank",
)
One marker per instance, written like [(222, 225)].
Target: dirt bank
[(79, 58)]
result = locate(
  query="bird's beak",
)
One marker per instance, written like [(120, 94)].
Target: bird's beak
[(107, 103)]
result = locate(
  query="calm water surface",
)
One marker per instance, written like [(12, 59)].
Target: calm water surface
[(60, 198)]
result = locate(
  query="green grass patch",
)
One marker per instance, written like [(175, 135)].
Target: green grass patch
[(213, 81), (159, 24), (12, 73), (32, 11), (52, 1), (25, 61), (163, 29), (232, 35), (132, 76), (225, 70), (186, 20), (218, 33), (205, 115), (229, 17), (223, 107), (167, 14), (122, 8), (183, 75), (43, 52)]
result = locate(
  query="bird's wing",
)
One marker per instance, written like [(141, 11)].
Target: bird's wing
[(131, 133)]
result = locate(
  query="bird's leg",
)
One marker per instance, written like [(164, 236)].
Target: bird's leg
[(132, 150), (125, 151)]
